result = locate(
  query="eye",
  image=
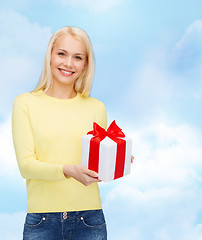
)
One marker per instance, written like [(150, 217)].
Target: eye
[(78, 57), (61, 54)]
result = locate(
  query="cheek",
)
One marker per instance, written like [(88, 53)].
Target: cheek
[(54, 61), (82, 66)]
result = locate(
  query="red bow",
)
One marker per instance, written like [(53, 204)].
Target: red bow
[(112, 131)]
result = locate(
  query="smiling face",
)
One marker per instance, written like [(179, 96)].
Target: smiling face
[(68, 60)]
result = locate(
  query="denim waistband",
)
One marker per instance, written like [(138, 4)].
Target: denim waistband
[(66, 215)]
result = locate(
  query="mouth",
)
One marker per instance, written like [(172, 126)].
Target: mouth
[(65, 72)]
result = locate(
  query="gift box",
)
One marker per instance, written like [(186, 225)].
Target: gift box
[(107, 152)]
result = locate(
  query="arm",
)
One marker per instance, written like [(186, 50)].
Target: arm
[(30, 167)]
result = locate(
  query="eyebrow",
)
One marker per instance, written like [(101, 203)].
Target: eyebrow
[(74, 54)]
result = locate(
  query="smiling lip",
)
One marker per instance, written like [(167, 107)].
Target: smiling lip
[(65, 72)]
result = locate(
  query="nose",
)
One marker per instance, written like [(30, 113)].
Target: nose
[(68, 61)]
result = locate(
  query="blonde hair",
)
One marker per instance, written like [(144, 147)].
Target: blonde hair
[(84, 82)]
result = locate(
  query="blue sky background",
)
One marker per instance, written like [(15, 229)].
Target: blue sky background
[(149, 75)]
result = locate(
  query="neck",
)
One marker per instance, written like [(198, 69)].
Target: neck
[(62, 92)]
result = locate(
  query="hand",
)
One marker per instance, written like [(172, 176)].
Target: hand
[(132, 158), (81, 174)]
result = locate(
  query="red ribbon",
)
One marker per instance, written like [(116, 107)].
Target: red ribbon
[(113, 132)]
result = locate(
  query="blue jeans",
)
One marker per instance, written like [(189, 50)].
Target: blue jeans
[(85, 225)]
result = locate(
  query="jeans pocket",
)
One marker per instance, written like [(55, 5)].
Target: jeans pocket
[(94, 219), (34, 220)]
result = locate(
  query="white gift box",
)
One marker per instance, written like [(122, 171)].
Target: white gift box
[(107, 156)]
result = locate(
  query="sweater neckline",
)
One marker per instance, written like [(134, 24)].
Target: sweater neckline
[(59, 100)]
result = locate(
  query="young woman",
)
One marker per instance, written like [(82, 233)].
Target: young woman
[(63, 199)]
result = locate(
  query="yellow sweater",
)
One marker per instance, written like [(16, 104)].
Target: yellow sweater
[(47, 135)]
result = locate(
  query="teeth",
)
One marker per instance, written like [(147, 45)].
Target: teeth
[(65, 71)]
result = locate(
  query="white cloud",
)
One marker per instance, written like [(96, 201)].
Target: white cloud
[(161, 147), (7, 154), (163, 193), (187, 53), (22, 37), (151, 80), (169, 79), (22, 47), (12, 225), (192, 36), (97, 6)]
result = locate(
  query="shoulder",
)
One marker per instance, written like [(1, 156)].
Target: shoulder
[(21, 98), (26, 97), (24, 100)]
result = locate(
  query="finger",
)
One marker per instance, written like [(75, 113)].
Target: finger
[(92, 179), (92, 173), (89, 172)]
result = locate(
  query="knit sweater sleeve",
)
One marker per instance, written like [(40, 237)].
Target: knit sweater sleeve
[(25, 149)]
